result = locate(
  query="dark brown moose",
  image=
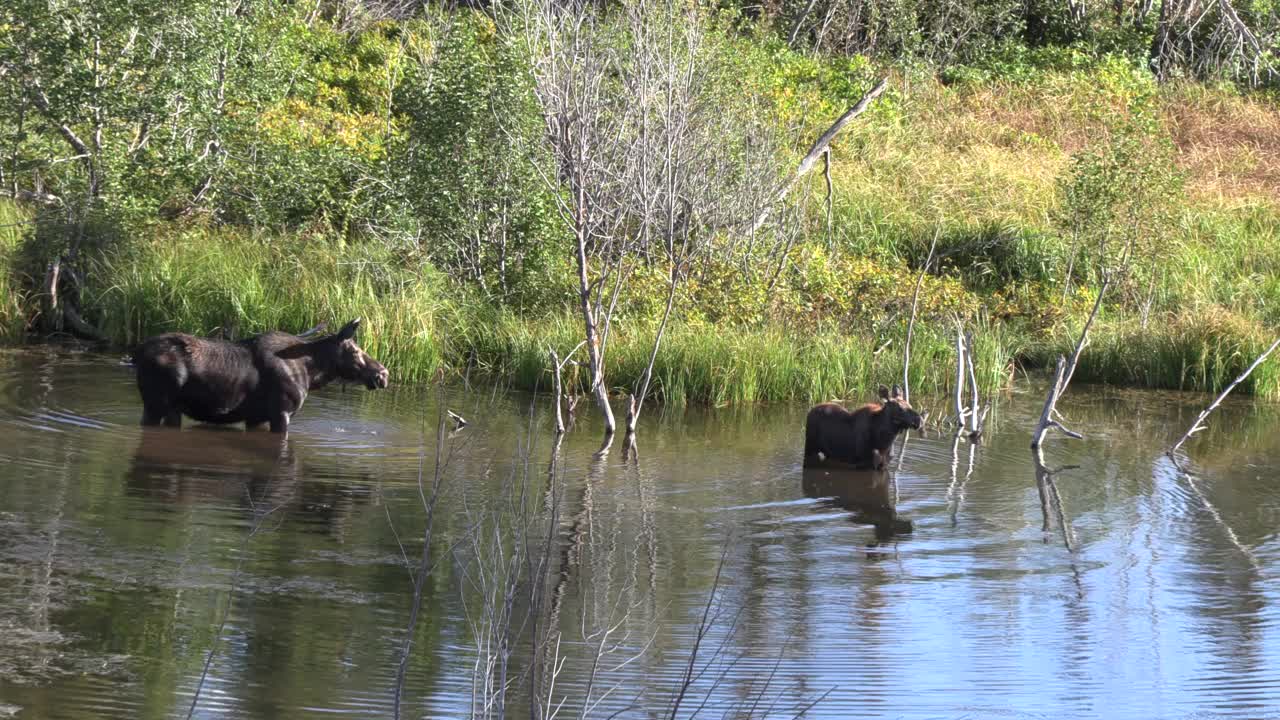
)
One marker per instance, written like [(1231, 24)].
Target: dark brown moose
[(260, 380), (837, 438)]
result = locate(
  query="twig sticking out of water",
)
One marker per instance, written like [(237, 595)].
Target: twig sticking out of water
[(424, 564), (1197, 426), (976, 415), (557, 367), (958, 396), (1049, 417)]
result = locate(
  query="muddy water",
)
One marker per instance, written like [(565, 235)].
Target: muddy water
[(222, 573)]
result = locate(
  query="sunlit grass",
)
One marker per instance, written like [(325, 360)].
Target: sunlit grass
[(714, 366), (13, 226), (1203, 352), (235, 285)]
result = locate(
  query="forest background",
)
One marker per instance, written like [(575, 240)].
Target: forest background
[(491, 185)]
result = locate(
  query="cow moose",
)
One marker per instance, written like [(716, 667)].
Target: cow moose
[(260, 380), (861, 439)]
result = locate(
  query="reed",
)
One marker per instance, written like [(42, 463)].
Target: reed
[(1202, 352), (727, 366), (234, 285), (13, 224)]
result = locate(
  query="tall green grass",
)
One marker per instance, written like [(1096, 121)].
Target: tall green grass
[(236, 285), (719, 366), (1203, 352), (13, 226)]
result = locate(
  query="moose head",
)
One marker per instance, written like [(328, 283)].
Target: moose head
[(899, 410), (353, 364)]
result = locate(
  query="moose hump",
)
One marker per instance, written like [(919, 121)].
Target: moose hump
[(862, 438), (260, 380)]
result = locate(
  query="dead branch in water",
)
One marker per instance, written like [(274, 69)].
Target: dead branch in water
[(1049, 417), (557, 366), (424, 565), (976, 416), (1198, 425), (958, 395)]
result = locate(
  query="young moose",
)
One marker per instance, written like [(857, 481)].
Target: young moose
[(263, 379), (863, 438)]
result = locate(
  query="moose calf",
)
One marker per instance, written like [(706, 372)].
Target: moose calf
[(863, 438)]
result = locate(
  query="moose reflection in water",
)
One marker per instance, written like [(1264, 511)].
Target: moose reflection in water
[(261, 380), (868, 494), (862, 439), (262, 473)]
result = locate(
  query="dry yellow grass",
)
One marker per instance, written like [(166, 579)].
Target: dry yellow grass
[(992, 153)]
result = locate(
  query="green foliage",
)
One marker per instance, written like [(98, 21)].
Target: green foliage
[(226, 283), (479, 209), (1118, 198)]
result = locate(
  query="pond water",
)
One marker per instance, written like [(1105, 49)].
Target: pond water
[(223, 573)]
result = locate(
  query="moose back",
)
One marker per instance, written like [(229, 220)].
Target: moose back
[(862, 438), (261, 380)]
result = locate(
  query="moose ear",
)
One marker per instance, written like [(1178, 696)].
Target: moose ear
[(884, 393), (897, 392), (348, 331)]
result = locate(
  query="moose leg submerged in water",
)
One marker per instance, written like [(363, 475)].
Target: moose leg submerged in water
[(261, 380), (862, 438)]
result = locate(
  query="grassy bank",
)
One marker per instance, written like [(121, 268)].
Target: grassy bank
[(227, 283), (233, 284), (978, 157)]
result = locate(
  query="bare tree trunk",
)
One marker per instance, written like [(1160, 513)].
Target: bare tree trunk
[(555, 391), (826, 176), (960, 378), (595, 354), (975, 415), (1159, 57), (1062, 377), (795, 31), (1084, 332)]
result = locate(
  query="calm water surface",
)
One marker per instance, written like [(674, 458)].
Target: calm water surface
[(967, 582)]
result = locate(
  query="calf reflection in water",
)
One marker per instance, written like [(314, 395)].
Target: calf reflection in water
[(868, 494)]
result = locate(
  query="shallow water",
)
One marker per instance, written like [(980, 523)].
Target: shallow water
[(964, 583)]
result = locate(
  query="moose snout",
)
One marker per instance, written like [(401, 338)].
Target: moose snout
[(379, 378)]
